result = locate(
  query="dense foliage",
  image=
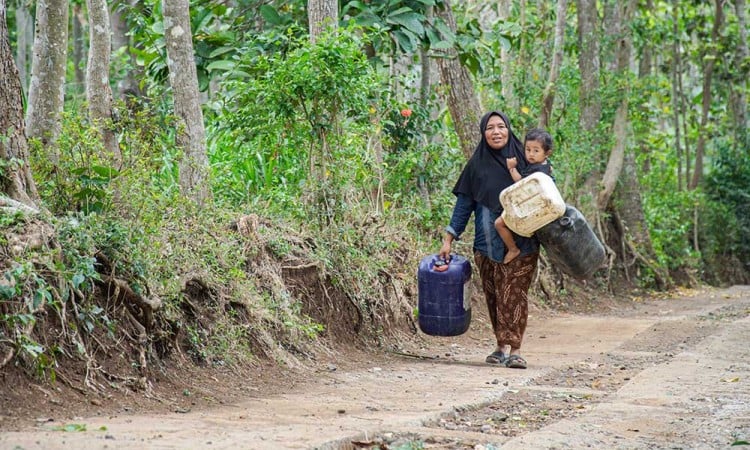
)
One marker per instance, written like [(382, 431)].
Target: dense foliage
[(339, 146)]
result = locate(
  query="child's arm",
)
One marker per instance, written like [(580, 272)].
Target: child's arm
[(514, 173)]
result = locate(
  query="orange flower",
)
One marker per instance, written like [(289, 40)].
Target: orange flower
[(406, 112)]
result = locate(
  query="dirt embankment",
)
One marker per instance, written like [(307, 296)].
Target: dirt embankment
[(659, 373)]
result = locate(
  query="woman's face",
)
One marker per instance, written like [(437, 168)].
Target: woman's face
[(496, 133)]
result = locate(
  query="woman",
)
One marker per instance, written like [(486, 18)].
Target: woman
[(477, 191)]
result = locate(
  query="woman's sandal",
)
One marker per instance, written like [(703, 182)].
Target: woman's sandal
[(515, 362), (496, 358)]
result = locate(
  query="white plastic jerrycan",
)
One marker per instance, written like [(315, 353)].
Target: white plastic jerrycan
[(531, 203)]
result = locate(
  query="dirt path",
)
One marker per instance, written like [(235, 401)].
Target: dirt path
[(672, 373)]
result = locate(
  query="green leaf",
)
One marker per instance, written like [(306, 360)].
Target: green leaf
[(7, 292), (41, 297), (220, 51), (504, 43), (409, 20), (158, 28), (471, 63), (270, 15), (367, 19), (443, 28), (33, 349), (436, 42), (71, 427), (25, 319), (356, 5), (106, 172), (78, 279), (406, 40), (225, 65)]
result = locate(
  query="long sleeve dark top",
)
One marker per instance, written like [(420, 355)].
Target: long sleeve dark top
[(486, 239)]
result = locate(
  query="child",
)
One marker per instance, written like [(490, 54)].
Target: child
[(537, 147)]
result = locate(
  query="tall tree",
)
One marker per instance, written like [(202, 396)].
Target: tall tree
[(620, 181), (589, 64), (47, 87), (98, 90), (79, 53), (619, 29), (589, 98), (678, 106), (322, 14), (739, 97), (463, 103), (506, 58), (16, 181), (548, 97), (183, 77), (127, 85), (24, 40), (712, 52)]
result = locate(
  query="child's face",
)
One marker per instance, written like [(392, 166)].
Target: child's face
[(535, 153)]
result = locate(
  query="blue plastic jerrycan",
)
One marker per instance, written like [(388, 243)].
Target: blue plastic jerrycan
[(444, 296), (571, 244)]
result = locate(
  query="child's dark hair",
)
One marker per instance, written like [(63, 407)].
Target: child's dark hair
[(539, 135)]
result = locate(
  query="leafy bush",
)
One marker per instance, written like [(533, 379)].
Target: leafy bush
[(725, 231), (283, 119)]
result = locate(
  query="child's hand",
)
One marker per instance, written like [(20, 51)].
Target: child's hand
[(512, 163)]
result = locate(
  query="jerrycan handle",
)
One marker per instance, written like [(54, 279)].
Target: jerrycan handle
[(441, 265)]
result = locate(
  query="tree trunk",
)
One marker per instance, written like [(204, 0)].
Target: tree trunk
[(548, 97), (463, 103), (635, 231), (47, 87), (645, 68), (506, 59), (79, 53), (645, 64), (127, 85), (620, 27), (183, 77), (16, 182), (610, 29), (589, 64), (590, 102), (322, 14), (677, 97), (708, 70), (739, 101), (98, 90), (24, 40)]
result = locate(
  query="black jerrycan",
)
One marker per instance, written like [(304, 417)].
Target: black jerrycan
[(571, 244)]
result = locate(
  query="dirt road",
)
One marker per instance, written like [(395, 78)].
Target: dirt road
[(671, 373)]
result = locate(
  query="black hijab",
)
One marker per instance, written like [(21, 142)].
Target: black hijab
[(486, 173)]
